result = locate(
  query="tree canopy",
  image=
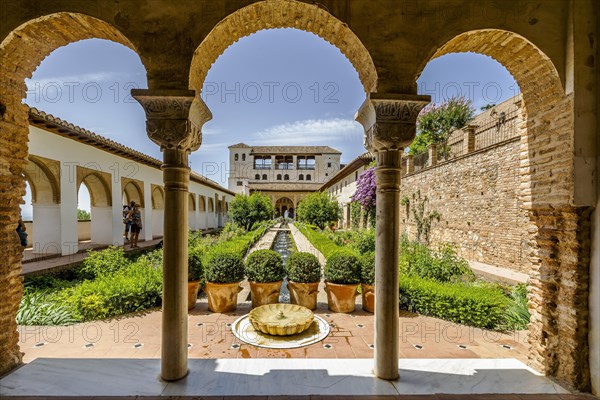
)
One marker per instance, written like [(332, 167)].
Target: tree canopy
[(319, 209), (245, 211), (436, 122)]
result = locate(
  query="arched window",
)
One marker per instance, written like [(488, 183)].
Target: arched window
[(286, 177), (256, 177), (243, 157), (236, 157), (308, 177), (300, 177), (264, 177), (278, 177)]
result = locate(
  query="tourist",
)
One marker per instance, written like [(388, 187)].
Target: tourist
[(126, 220), (136, 224), (21, 228)]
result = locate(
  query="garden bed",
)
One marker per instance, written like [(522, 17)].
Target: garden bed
[(436, 282), (110, 283)]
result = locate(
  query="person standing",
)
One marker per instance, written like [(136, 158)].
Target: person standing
[(21, 228), (136, 225), (126, 219)]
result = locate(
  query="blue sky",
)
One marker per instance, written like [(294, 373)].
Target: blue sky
[(277, 87)]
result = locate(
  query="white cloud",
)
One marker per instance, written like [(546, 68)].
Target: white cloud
[(308, 132), (97, 77)]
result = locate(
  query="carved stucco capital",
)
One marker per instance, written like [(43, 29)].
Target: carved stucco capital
[(174, 119), (390, 123)]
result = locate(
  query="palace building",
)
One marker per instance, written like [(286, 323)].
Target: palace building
[(284, 173)]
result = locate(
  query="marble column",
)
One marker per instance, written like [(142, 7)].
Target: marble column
[(390, 126), (173, 121)]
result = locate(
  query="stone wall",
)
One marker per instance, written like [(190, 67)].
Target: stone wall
[(477, 197)]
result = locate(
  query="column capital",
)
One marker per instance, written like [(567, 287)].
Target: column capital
[(174, 118), (390, 120)]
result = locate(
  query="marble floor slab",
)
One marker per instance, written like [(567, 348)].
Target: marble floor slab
[(272, 377)]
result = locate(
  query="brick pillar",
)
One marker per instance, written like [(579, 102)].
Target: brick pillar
[(470, 138), (410, 164), (390, 125), (433, 154), (173, 121)]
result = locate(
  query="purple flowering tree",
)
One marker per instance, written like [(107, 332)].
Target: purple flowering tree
[(365, 194)]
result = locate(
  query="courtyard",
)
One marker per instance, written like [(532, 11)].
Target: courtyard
[(433, 168)]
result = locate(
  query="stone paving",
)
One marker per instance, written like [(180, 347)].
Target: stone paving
[(210, 336)]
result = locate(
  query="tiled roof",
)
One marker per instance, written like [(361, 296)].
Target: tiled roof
[(66, 129), (294, 150), (352, 166), (238, 145)]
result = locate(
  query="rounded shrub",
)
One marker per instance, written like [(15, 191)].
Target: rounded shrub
[(365, 241), (194, 266), (343, 267), (303, 268), (224, 267), (367, 266), (265, 266)]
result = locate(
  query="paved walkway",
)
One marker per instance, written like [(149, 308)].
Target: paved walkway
[(65, 262)]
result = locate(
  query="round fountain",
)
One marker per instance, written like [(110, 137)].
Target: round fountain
[(282, 325)]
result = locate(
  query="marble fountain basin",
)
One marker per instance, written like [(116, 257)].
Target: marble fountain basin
[(281, 319)]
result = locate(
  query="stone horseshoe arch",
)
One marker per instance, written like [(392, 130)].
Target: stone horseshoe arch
[(557, 253), (20, 54), (273, 14)]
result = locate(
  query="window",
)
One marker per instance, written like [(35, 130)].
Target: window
[(328, 165), (243, 157), (236, 157), (262, 162), (356, 176), (239, 183), (284, 162), (256, 177), (308, 177), (286, 177), (278, 177), (345, 183), (264, 177), (306, 162), (300, 177)]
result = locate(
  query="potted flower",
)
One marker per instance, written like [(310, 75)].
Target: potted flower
[(194, 277), (223, 273), (304, 275), (367, 282), (265, 272), (342, 277)]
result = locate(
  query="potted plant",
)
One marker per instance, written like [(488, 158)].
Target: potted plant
[(304, 275), (223, 273), (342, 277), (265, 272), (367, 282), (194, 277)]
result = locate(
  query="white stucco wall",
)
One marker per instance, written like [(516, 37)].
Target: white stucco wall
[(58, 223)]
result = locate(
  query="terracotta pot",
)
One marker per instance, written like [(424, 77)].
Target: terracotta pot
[(193, 287), (368, 297), (222, 297), (341, 298), (265, 293), (304, 294)]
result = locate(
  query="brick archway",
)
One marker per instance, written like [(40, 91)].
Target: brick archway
[(20, 54), (272, 14), (559, 232)]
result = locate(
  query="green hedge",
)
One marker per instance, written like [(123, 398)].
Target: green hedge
[(479, 306), (320, 240)]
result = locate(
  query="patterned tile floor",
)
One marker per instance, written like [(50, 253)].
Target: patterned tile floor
[(210, 336)]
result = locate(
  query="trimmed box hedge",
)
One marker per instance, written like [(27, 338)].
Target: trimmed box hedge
[(479, 306)]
